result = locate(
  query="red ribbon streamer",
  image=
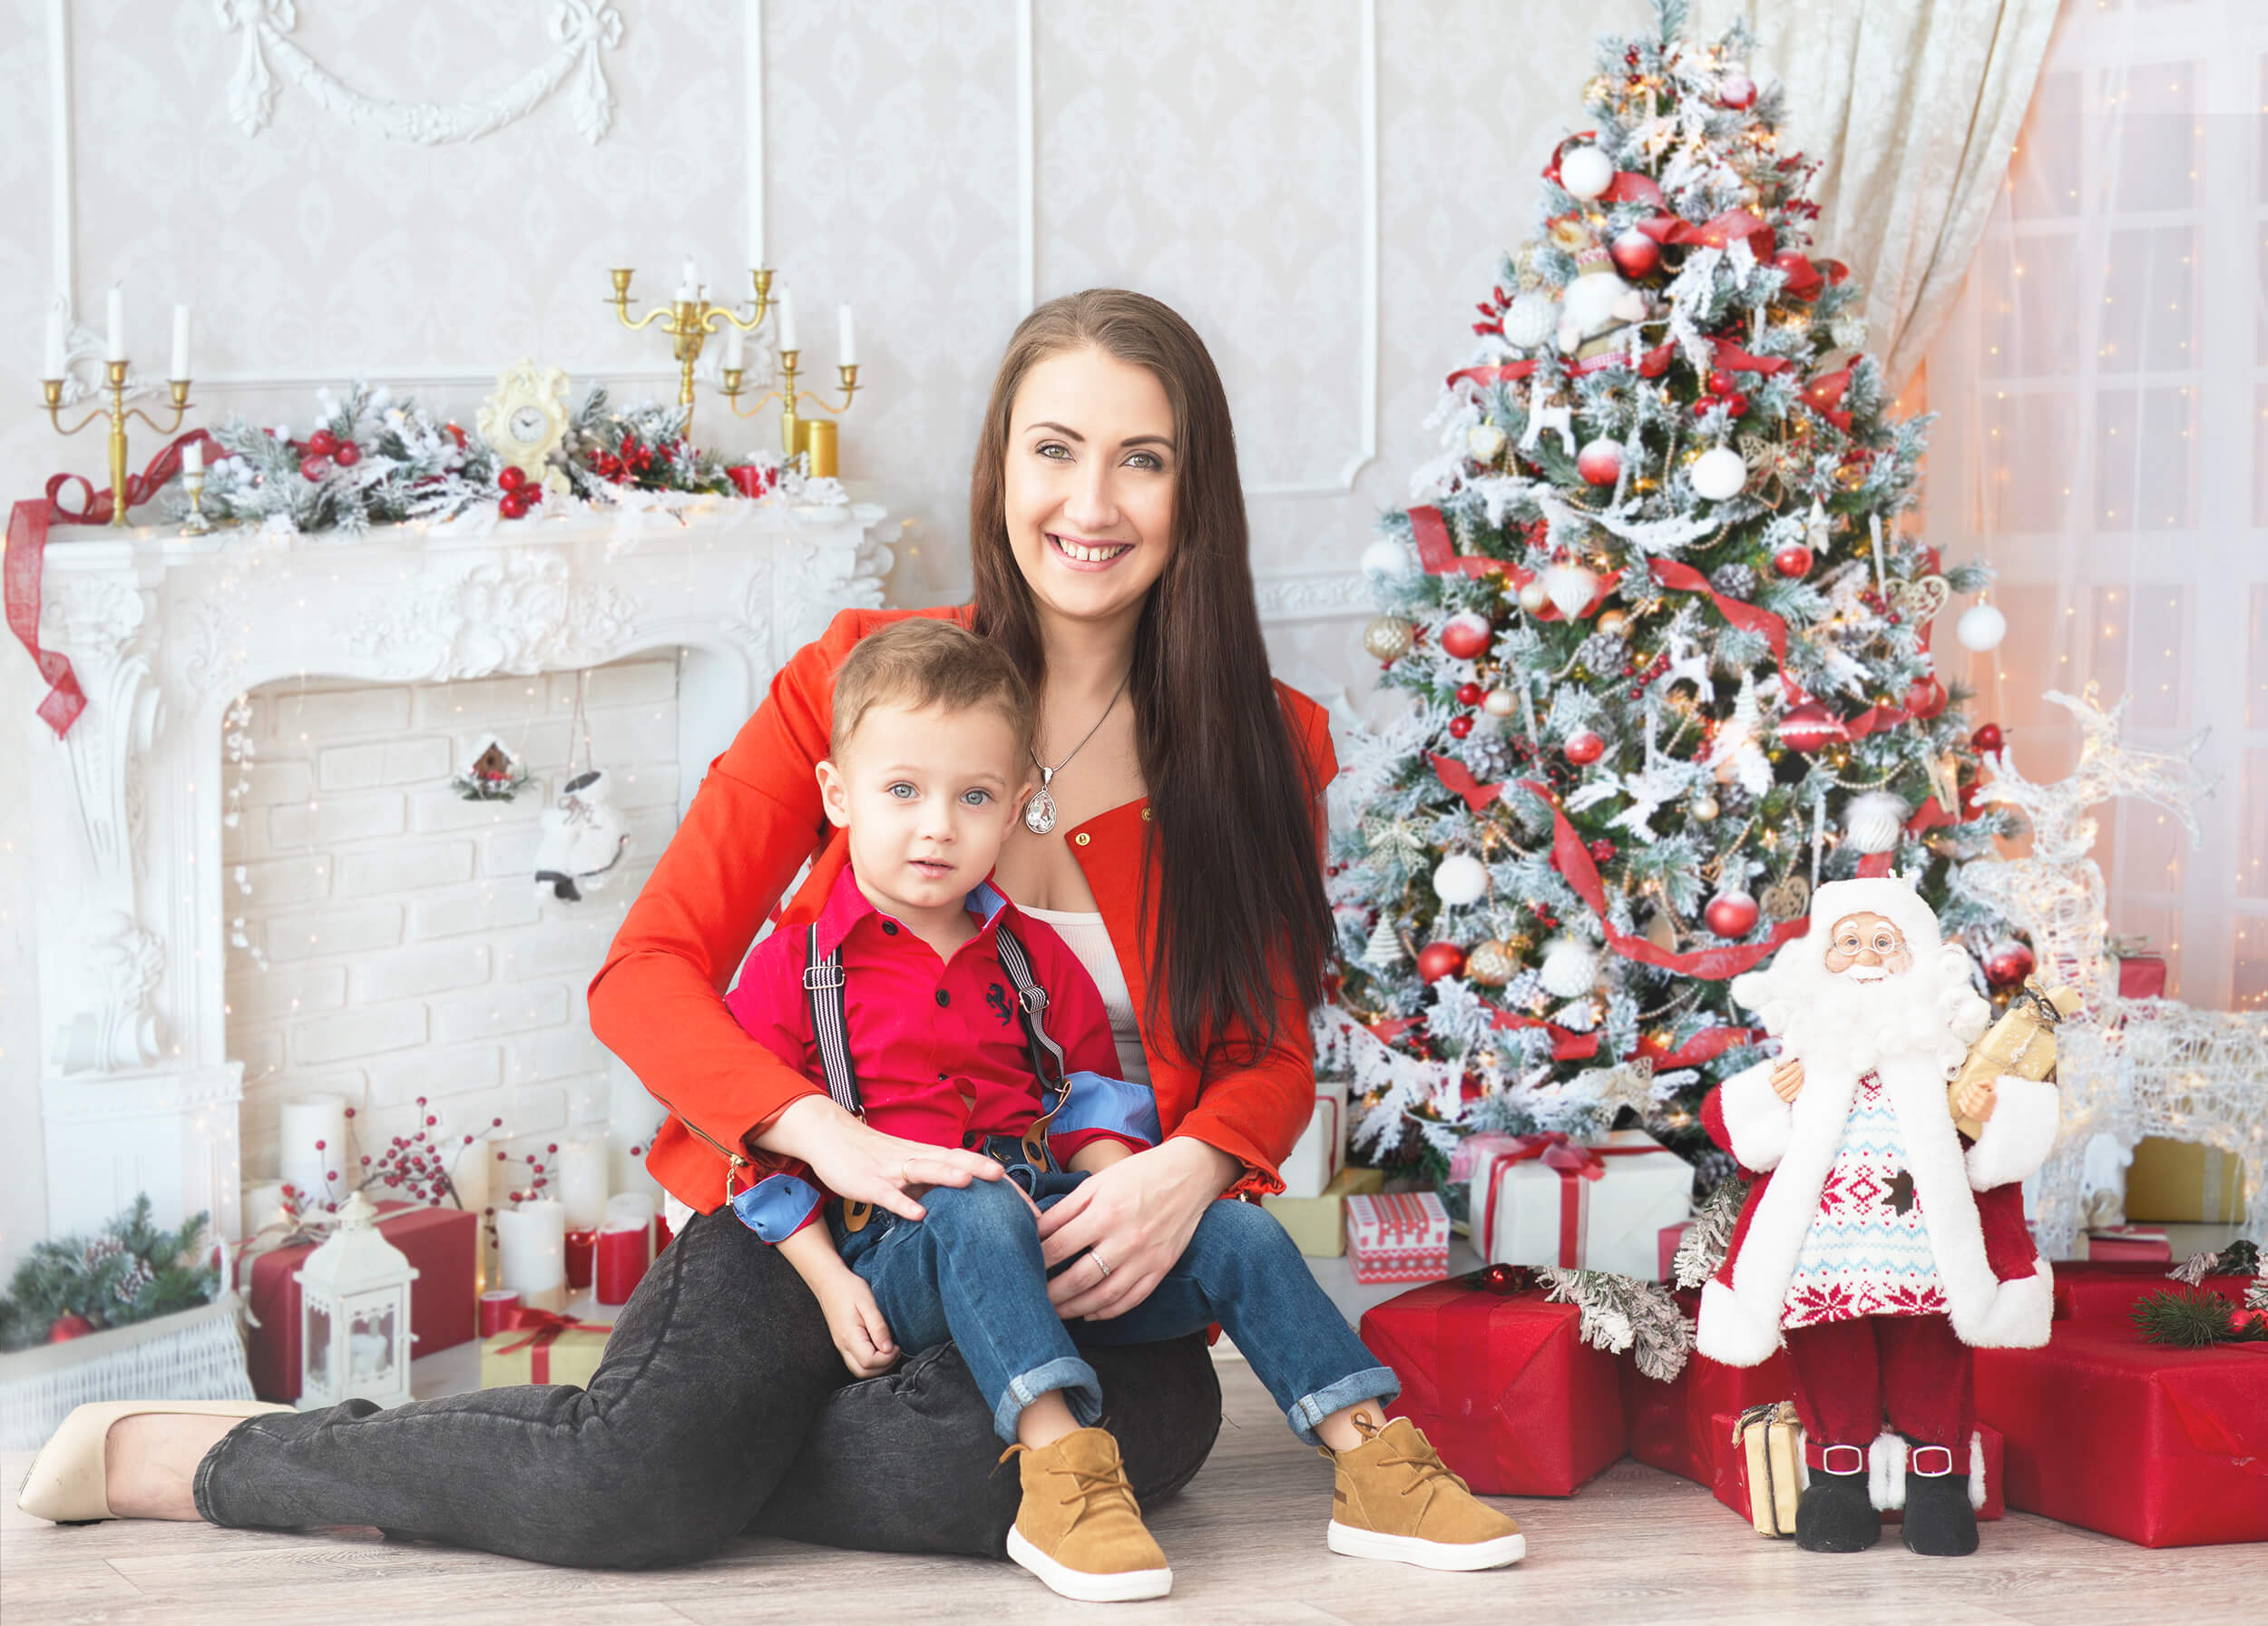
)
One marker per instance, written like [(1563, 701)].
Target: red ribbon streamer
[(1824, 394), (1734, 359), (1457, 777), (1669, 572), (26, 559), (1509, 372), (1436, 551)]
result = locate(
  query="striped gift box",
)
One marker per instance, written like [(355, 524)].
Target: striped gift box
[(1397, 1235)]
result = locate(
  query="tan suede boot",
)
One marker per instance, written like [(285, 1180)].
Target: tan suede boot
[(1394, 1498), (1078, 1529)]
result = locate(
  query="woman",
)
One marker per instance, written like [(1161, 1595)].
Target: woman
[(1111, 558)]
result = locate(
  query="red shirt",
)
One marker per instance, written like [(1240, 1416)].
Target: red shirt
[(936, 1045)]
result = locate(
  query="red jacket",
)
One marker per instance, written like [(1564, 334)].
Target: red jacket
[(657, 1003)]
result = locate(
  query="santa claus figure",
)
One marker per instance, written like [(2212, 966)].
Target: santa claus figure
[(1877, 1244)]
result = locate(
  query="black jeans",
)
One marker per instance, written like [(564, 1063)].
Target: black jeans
[(721, 1408)]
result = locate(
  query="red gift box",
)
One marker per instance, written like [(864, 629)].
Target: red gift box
[(1729, 1464), (2160, 1447), (2136, 1243), (2097, 1290), (1503, 1386), (441, 1243), (1672, 1425), (2142, 976)]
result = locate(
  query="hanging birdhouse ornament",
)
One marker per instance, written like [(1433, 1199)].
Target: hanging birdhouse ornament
[(494, 775), (353, 1315)]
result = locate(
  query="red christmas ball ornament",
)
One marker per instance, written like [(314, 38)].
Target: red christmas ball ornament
[(1583, 747), (1736, 91), (1987, 738), (1600, 462), (1793, 562), (1731, 913), (2007, 964), (322, 443), (1458, 727), (532, 491), (512, 505), (1635, 254), (1501, 1279), (1468, 694), (1736, 403), (1811, 727), (1465, 635), (1438, 960), (347, 454), (511, 477), (1720, 382), (313, 468), (1925, 698), (68, 1325)]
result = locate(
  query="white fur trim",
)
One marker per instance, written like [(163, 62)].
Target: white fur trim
[(1976, 1471), (1886, 1472), (2021, 1314), (1729, 1332), (1756, 1121), (1766, 1261), (2018, 1135)]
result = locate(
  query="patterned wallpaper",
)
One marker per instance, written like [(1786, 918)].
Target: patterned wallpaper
[(1212, 154)]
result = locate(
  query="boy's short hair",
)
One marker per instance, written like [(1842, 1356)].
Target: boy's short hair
[(921, 661)]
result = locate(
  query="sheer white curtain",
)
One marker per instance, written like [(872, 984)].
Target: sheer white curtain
[(2104, 387)]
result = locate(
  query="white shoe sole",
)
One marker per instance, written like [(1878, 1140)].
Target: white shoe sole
[(1124, 1587), (1427, 1555)]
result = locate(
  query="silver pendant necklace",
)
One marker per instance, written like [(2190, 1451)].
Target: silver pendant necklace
[(1039, 813)]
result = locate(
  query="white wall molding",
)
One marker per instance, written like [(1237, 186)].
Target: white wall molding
[(580, 30), (1311, 595), (1027, 233)]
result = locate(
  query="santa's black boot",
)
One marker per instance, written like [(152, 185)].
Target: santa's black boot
[(1940, 1522), (1836, 1512)]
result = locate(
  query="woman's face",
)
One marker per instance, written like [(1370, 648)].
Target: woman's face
[(1090, 483)]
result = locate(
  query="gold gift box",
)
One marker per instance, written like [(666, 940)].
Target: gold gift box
[(1771, 1445), (568, 1353), (1318, 1224), (2186, 1183)]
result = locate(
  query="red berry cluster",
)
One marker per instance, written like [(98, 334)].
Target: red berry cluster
[(520, 494), (1721, 388), (1640, 676), (633, 463), (323, 451), (1494, 312)]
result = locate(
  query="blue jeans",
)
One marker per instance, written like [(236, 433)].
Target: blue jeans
[(972, 1272)]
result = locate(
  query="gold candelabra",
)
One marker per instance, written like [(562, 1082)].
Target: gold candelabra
[(117, 412), (789, 397), (690, 322)]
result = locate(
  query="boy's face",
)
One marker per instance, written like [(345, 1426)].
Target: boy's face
[(927, 797)]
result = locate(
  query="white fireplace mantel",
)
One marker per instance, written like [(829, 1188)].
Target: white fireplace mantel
[(137, 1092)]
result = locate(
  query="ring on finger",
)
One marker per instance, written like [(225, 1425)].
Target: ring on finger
[(1098, 1263)]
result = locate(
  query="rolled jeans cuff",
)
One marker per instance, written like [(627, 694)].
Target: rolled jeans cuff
[(1375, 1383), (1082, 1392)]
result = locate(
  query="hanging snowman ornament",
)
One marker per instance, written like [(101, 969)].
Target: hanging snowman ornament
[(582, 835)]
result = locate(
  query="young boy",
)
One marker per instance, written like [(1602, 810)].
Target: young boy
[(917, 997)]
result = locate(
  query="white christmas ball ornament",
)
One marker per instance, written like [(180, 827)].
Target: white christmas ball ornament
[(1719, 474), (1500, 702), (1980, 627), (1460, 879), (1387, 560), (1532, 596), (1569, 587), (1485, 442), (1873, 821), (1568, 968), (1586, 172), (1530, 319)]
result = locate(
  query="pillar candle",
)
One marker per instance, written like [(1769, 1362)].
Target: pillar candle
[(582, 1250), (180, 343), (115, 349), (786, 319), (736, 347), (689, 282), (625, 1246), (499, 1311), (469, 1170), (531, 1253), (632, 1116), (193, 457), (845, 340), (313, 1137), (580, 1180)]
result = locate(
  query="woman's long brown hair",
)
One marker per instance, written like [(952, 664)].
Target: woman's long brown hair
[(1242, 920)]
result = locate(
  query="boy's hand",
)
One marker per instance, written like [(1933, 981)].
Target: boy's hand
[(855, 1323)]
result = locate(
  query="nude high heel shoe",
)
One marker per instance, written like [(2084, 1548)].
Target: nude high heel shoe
[(65, 1481)]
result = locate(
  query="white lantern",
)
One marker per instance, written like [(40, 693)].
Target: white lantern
[(353, 1315)]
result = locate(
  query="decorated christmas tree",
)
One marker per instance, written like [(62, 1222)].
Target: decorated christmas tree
[(1664, 645)]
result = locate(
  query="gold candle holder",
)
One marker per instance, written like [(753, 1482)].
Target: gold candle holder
[(196, 524), (117, 412), (790, 397), (690, 322)]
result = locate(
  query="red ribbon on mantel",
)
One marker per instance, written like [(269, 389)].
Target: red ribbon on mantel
[(1574, 1163), (23, 565), (544, 1327)]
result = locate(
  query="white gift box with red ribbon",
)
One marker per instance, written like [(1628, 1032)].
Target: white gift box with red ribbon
[(1316, 1158), (1397, 1235), (1599, 1205)]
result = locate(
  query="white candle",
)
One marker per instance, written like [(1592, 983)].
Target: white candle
[(689, 282), (469, 1170), (193, 457), (116, 349), (313, 1133), (531, 1253), (633, 1116), (180, 343), (583, 1183), (736, 347), (787, 319), (54, 345), (845, 341)]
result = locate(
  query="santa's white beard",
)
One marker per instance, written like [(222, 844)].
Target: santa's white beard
[(1843, 1022)]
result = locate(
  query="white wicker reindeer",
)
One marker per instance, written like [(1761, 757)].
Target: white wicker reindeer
[(2128, 1067)]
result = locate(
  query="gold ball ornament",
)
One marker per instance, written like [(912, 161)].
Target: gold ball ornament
[(1389, 637), (1491, 963), (1702, 808), (1533, 597), (1612, 623)]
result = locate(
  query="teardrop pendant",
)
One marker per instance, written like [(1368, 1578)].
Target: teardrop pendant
[(1039, 813)]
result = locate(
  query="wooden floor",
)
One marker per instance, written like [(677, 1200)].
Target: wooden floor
[(1246, 1545)]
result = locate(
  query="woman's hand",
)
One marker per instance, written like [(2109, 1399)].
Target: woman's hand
[(1131, 1222), (864, 1165)]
